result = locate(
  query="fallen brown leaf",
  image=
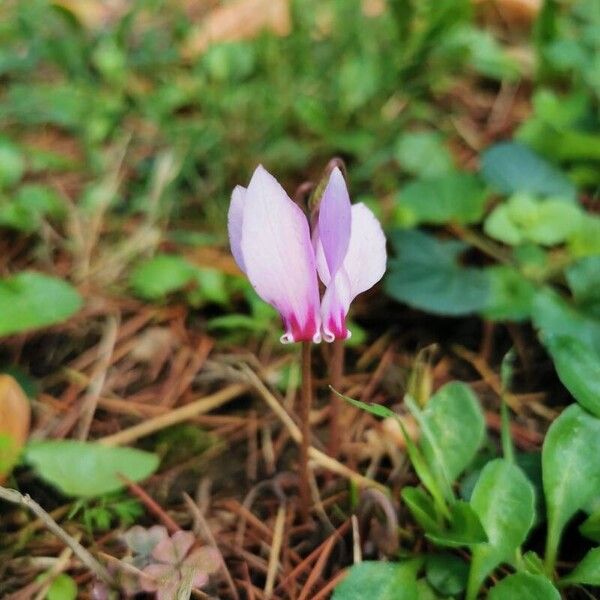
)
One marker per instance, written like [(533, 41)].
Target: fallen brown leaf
[(15, 419)]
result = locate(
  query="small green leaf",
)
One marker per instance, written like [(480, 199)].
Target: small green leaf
[(12, 163), (161, 275), (465, 528), (590, 528), (511, 295), (587, 571), (422, 508), (512, 167), (453, 429), (423, 153), (578, 367), (504, 500), (62, 588), (523, 586), (571, 471), (533, 563), (31, 300), (446, 573), (380, 581), (456, 197), (428, 275), (88, 469), (583, 278)]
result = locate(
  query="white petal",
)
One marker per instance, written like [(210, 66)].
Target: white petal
[(235, 219)]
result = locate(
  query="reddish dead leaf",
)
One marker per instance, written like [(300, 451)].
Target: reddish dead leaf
[(240, 20), (15, 418)]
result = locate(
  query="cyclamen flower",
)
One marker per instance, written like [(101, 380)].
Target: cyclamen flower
[(271, 242)]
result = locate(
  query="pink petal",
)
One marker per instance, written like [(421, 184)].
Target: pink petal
[(235, 219), (172, 551), (335, 221), (279, 257), (156, 576), (206, 559), (363, 267)]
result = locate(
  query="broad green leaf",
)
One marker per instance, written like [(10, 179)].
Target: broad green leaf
[(456, 197), (590, 528), (464, 529), (553, 315), (62, 588), (423, 153), (380, 581), (511, 295), (578, 366), (504, 500), (585, 240), (30, 300), (524, 586), (428, 275), (512, 167), (88, 469), (161, 275), (12, 163), (583, 278), (523, 218), (453, 429), (446, 573), (571, 471), (587, 571)]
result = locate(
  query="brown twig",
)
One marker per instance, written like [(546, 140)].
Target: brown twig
[(15, 497), (275, 551)]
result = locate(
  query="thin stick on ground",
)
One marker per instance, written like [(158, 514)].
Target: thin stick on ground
[(305, 405), (336, 373), (15, 497), (275, 551)]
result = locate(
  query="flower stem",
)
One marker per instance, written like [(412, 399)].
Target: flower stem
[(306, 402), (336, 372)]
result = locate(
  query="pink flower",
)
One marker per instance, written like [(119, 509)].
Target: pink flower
[(271, 242)]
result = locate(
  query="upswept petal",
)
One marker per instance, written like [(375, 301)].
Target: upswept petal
[(235, 219), (278, 256), (363, 267), (334, 223), (366, 257)]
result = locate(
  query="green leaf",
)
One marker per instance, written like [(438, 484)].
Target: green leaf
[(523, 586), (423, 153), (453, 429), (446, 573), (587, 571), (578, 367), (427, 274), (583, 278), (512, 167), (590, 528), (161, 275), (571, 471), (524, 218), (62, 588), (504, 500), (456, 197), (379, 581), (511, 295), (422, 508), (30, 300), (465, 528), (87, 469), (553, 315), (12, 163)]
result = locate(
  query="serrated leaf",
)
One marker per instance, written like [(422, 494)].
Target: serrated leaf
[(88, 469), (30, 300)]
